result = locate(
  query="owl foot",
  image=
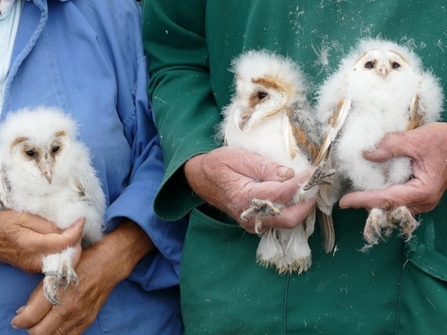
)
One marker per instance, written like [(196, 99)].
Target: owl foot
[(376, 223), (59, 273), (407, 223), (260, 209), (319, 177)]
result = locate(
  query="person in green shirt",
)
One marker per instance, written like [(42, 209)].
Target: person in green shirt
[(396, 287)]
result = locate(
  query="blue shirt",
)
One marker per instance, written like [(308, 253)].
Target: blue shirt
[(86, 58)]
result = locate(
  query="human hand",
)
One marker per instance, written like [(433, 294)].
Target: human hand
[(229, 178), (78, 305), (100, 268), (427, 148), (26, 238)]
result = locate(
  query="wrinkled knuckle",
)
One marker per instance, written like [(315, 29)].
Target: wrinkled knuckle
[(264, 167), (388, 204), (285, 196)]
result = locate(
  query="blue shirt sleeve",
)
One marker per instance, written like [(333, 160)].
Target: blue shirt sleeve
[(160, 269)]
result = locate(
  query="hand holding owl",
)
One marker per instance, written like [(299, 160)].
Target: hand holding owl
[(421, 193), (228, 178), (24, 238), (379, 91)]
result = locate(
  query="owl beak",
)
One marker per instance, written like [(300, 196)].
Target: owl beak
[(383, 71), (243, 119), (46, 171)]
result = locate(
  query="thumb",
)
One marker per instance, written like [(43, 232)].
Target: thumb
[(392, 145), (260, 168)]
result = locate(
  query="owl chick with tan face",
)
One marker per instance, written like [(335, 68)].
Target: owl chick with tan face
[(379, 88), (45, 171), (269, 115)]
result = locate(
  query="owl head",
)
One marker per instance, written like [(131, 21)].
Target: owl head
[(36, 140), (265, 84), (383, 58)]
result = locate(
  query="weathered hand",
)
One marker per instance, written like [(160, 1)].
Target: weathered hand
[(25, 238), (229, 178), (427, 148), (100, 268)]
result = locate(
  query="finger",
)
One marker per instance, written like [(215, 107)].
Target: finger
[(291, 216), (51, 243), (387, 198), (50, 323), (36, 223), (392, 145), (259, 168), (34, 311), (279, 192)]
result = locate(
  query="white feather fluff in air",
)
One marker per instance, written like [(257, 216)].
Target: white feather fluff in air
[(47, 172), (379, 88), (266, 112)]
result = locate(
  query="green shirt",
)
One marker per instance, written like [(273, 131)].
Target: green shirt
[(396, 288)]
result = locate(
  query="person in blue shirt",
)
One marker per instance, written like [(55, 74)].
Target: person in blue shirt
[(86, 58)]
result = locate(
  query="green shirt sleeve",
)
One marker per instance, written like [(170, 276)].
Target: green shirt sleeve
[(184, 107)]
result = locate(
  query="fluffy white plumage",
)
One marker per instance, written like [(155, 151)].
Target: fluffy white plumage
[(379, 88), (47, 172), (269, 115)]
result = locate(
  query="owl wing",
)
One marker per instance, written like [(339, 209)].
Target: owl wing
[(297, 126), (289, 140), (416, 113), (297, 138), (335, 123), (330, 194)]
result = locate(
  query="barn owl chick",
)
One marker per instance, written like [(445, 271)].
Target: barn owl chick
[(379, 88), (47, 172), (270, 116)]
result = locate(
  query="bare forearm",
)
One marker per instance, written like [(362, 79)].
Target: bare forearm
[(119, 251)]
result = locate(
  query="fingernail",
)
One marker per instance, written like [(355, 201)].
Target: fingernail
[(13, 325), (285, 172), (344, 206), (20, 310)]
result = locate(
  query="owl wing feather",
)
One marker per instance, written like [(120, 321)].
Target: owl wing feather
[(327, 230), (297, 138), (330, 194), (416, 113), (289, 140), (335, 123)]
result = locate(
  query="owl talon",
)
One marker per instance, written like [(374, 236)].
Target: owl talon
[(376, 222), (54, 281), (407, 222), (58, 274), (319, 177), (260, 209)]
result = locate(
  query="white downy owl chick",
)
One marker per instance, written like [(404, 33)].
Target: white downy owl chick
[(47, 172), (379, 88), (269, 115)]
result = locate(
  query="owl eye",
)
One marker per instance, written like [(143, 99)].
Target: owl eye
[(262, 95), (30, 153), (55, 149), (369, 64), (396, 65)]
